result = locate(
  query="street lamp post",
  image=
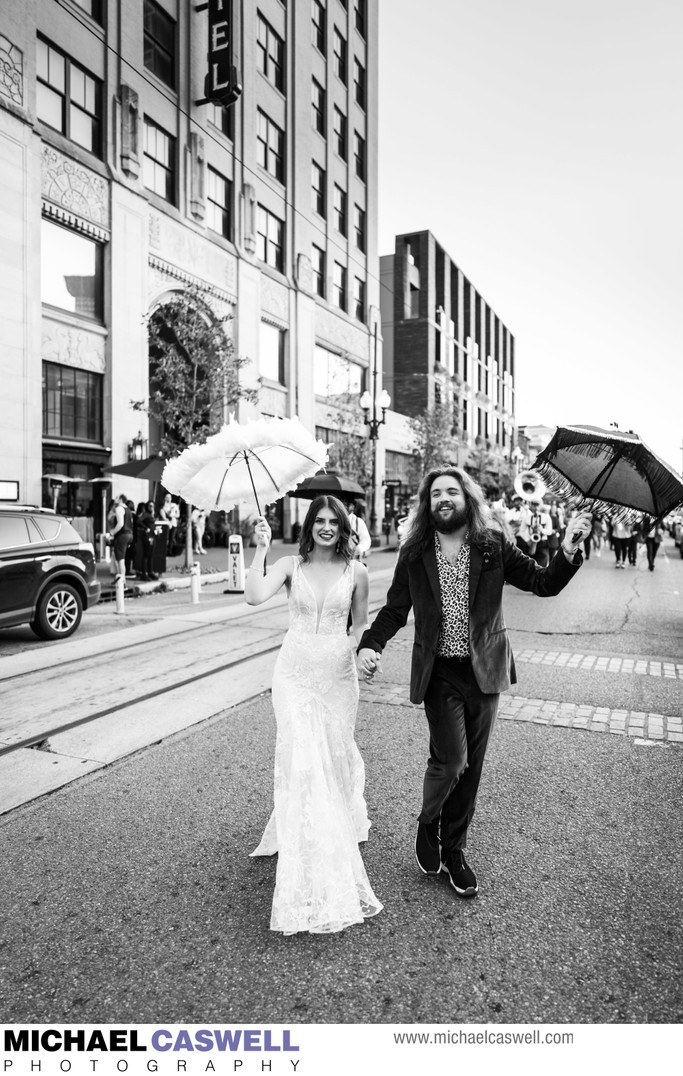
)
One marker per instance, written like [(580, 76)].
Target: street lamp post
[(371, 404)]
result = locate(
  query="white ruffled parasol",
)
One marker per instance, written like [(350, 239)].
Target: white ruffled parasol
[(259, 460)]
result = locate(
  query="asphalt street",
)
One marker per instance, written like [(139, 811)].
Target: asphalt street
[(129, 895)]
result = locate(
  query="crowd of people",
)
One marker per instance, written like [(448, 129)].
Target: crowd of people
[(537, 527)]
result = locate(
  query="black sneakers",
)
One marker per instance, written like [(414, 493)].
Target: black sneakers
[(427, 851), (461, 875)]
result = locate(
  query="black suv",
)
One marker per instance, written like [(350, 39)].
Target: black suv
[(47, 572)]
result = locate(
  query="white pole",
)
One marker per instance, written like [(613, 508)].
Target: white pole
[(120, 591), (195, 582)]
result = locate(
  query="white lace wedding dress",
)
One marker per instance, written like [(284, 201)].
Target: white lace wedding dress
[(320, 813)]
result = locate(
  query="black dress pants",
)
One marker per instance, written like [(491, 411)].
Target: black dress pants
[(461, 719)]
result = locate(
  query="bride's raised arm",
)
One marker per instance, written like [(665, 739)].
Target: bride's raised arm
[(258, 587)]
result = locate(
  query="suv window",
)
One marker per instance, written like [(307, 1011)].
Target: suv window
[(49, 527), (33, 531), (13, 532)]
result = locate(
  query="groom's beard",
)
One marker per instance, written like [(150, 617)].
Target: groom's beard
[(450, 523)]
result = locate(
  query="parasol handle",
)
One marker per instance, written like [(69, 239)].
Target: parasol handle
[(258, 506)]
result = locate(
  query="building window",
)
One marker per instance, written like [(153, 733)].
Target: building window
[(359, 298), (270, 53), (92, 8), (221, 117), (359, 227), (340, 132), (335, 377), (339, 49), (359, 155), (68, 98), (339, 286), (318, 108), (270, 146), (319, 26), (270, 239), (360, 16), (71, 269), (272, 353), (318, 263), (159, 41), (318, 189), (158, 165), (359, 82), (72, 403), (218, 203), (340, 209)]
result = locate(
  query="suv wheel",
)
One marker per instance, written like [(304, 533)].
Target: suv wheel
[(59, 612)]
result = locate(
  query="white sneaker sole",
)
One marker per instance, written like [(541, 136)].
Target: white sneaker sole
[(471, 891)]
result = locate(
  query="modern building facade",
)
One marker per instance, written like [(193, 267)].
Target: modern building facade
[(444, 345), (121, 186)]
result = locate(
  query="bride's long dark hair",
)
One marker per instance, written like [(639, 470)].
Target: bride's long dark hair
[(306, 542), (420, 529)]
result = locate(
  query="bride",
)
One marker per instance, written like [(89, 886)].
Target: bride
[(320, 813)]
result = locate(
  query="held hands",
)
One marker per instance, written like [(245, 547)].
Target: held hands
[(369, 662), (578, 528), (262, 533)]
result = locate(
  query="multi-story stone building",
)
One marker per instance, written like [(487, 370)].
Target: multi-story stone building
[(120, 188), (443, 344)]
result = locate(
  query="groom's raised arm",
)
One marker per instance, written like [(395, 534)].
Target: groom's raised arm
[(394, 613)]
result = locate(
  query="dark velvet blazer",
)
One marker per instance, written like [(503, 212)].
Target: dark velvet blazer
[(416, 585)]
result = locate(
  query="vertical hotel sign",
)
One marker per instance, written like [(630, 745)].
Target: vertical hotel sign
[(222, 84)]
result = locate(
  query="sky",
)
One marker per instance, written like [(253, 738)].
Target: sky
[(539, 141)]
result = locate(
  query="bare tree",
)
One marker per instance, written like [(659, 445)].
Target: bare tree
[(435, 439), (350, 452), (193, 377)]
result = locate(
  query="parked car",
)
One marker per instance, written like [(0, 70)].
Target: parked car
[(47, 572)]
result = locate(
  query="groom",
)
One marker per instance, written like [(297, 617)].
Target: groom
[(451, 570)]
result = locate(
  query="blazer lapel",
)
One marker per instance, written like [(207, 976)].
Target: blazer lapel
[(476, 562), (429, 561)]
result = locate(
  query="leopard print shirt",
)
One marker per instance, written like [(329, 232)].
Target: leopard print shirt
[(454, 581)]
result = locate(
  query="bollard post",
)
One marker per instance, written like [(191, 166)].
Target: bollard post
[(195, 582), (120, 591)]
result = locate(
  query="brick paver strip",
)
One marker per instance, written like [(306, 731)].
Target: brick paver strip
[(653, 727), (602, 663)]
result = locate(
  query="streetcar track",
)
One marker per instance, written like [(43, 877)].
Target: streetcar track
[(114, 651), (39, 737)]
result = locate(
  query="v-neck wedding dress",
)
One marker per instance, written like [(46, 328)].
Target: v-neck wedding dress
[(320, 813)]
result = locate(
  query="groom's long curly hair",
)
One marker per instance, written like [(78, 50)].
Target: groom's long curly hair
[(419, 527), (306, 542)]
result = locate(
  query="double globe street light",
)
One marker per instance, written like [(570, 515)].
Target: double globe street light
[(371, 405)]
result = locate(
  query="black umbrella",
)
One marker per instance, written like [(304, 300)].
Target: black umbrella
[(331, 484), (611, 471), (149, 469)]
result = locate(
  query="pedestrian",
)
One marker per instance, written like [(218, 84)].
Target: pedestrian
[(360, 535), (519, 518), (109, 525), (361, 542), (635, 534), (130, 552), (171, 513), (121, 535), (653, 539), (621, 536), (147, 533), (198, 521), (451, 571), (320, 813), (540, 528)]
